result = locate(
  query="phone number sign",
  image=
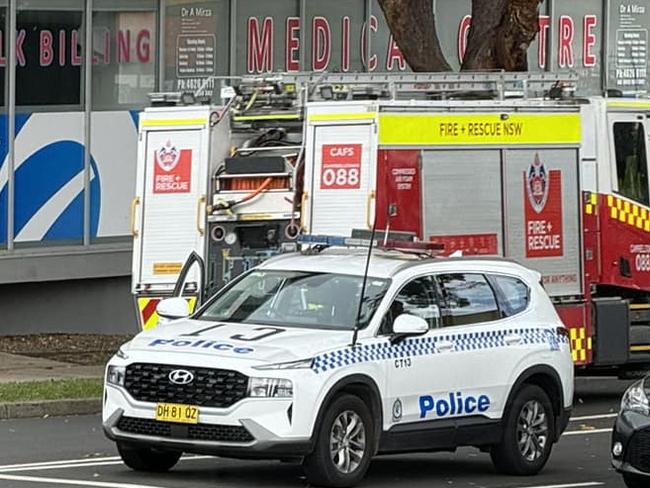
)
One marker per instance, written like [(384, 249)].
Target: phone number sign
[(341, 167)]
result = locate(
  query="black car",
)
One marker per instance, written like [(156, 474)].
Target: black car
[(631, 437)]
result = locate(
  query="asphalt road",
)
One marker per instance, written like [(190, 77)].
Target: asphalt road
[(72, 451)]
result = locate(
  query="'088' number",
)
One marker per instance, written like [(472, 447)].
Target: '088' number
[(642, 262), (340, 178)]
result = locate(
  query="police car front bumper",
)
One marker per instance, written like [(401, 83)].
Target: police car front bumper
[(632, 432), (243, 431)]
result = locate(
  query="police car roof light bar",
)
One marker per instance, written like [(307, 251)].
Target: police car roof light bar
[(428, 248)]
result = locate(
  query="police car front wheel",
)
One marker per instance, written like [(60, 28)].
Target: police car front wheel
[(343, 446), (147, 459), (527, 436)]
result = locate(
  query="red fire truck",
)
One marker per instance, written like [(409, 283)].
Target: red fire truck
[(514, 165)]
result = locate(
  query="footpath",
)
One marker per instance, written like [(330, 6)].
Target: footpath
[(18, 371)]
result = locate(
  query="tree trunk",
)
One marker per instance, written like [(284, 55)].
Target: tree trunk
[(413, 26), (500, 34)]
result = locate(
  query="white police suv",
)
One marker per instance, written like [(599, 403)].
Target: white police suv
[(283, 363)]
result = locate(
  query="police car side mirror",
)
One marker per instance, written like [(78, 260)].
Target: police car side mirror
[(173, 308), (406, 325)]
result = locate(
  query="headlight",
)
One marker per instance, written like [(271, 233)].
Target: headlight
[(270, 388), (300, 364), (635, 399), (115, 375)]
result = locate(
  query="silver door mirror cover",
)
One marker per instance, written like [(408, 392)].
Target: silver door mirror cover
[(173, 308), (407, 324)]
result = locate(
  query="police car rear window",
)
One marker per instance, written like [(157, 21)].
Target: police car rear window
[(469, 299), (513, 294)]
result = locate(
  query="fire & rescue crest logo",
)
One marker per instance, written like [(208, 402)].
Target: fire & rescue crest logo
[(537, 184), (168, 156)]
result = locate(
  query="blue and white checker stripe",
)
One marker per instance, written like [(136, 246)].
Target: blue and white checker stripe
[(424, 346)]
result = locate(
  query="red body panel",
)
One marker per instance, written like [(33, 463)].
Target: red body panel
[(398, 183)]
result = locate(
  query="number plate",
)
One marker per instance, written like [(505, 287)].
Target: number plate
[(174, 412)]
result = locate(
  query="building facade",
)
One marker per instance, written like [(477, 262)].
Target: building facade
[(74, 75)]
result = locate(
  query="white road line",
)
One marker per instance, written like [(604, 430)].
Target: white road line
[(59, 466), (587, 432), (66, 461), (570, 485), (76, 463), (594, 417), (61, 481)]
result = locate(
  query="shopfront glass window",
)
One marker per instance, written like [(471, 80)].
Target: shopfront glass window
[(48, 206), (124, 53), (4, 203), (49, 53), (196, 40)]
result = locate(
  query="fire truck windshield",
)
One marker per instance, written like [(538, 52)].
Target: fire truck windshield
[(298, 299)]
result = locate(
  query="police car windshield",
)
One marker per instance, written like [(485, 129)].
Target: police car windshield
[(298, 299)]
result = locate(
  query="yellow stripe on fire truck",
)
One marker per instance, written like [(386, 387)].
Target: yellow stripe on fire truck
[(628, 213), (396, 129), (580, 344), (170, 122), (148, 315), (591, 203)]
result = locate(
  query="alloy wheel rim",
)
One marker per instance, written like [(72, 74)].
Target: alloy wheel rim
[(532, 431), (347, 441)]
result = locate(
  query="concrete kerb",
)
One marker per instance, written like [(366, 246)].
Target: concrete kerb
[(50, 408)]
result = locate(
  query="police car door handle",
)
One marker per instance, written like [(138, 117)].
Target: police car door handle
[(444, 346), (513, 339)]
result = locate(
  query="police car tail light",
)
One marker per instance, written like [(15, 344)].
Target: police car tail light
[(270, 388), (635, 399), (115, 375)]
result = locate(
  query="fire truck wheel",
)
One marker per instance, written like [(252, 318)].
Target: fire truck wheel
[(344, 445), (147, 459), (527, 436)]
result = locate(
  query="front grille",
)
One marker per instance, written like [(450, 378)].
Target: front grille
[(219, 388), (199, 432), (638, 451)]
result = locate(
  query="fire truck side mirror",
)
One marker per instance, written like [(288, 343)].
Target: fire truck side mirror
[(173, 308)]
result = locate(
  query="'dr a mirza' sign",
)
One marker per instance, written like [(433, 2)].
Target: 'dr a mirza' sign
[(172, 169)]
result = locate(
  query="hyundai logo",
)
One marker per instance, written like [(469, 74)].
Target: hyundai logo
[(181, 377)]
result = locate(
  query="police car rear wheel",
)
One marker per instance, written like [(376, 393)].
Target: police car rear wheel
[(528, 432), (342, 451), (146, 459)]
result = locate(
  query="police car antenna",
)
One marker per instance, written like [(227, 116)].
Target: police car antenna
[(363, 285)]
